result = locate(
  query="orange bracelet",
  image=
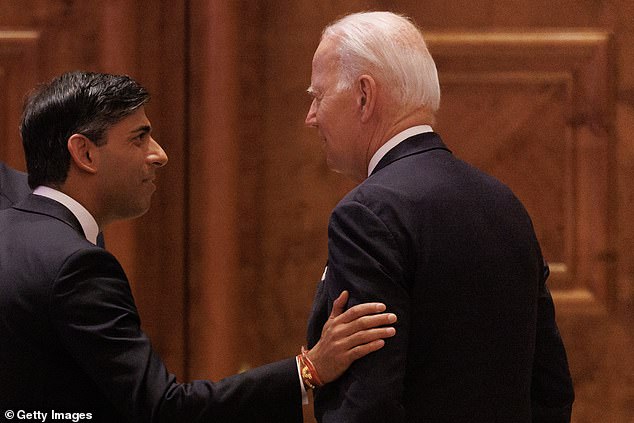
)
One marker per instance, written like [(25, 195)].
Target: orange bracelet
[(305, 373), (309, 374)]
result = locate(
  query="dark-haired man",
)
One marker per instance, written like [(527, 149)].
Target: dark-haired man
[(70, 330)]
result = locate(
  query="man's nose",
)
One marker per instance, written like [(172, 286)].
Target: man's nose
[(158, 157)]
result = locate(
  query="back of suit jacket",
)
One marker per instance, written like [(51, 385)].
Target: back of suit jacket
[(453, 253), (72, 340)]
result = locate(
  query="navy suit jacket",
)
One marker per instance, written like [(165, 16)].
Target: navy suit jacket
[(72, 339), (453, 253)]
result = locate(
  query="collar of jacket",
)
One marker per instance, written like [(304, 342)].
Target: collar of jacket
[(417, 144), (48, 207)]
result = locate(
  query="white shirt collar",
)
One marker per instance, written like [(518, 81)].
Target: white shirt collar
[(87, 222), (394, 141)]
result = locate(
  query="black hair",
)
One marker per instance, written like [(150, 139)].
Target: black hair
[(77, 102)]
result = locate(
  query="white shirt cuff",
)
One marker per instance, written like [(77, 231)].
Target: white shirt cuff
[(301, 383)]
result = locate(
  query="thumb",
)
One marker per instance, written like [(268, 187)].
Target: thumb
[(339, 305)]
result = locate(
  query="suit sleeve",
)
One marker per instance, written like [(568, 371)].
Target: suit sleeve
[(551, 390), (364, 258), (95, 316)]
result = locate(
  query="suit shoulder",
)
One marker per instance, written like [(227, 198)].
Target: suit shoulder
[(13, 186), (42, 242)]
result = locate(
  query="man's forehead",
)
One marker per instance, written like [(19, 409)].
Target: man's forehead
[(134, 122), (327, 47), (326, 57)]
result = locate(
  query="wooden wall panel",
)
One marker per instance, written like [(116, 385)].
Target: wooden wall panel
[(18, 75), (213, 244)]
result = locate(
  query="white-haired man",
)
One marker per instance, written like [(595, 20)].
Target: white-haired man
[(446, 247)]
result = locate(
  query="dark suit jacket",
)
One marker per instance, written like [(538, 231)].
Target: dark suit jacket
[(453, 253), (13, 186), (72, 341)]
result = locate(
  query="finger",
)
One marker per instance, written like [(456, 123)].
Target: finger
[(366, 336), (368, 322), (361, 310), (339, 305), (362, 323), (365, 349)]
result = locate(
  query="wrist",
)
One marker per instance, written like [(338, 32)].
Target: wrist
[(308, 372)]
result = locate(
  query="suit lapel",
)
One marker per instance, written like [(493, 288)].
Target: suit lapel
[(45, 206), (417, 144)]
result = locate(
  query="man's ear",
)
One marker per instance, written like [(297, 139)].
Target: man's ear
[(367, 93), (82, 152)]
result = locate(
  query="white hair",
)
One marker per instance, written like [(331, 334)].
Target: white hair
[(391, 48)]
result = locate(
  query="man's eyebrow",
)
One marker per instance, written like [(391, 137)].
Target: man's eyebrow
[(143, 129)]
